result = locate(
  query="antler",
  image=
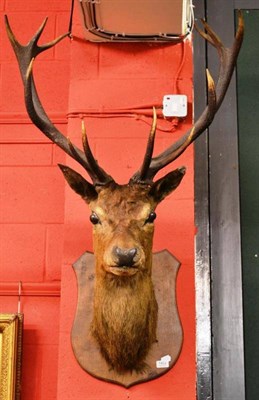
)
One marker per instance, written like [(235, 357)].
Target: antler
[(25, 56), (216, 93)]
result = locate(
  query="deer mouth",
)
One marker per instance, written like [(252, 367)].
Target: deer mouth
[(124, 270), (124, 261)]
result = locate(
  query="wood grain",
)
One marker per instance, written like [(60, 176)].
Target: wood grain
[(169, 330)]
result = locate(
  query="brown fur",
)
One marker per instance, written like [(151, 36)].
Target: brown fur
[(125, 319), (125, 308)]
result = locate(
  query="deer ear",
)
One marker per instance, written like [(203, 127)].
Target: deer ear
[(85, 189), (164, 186)]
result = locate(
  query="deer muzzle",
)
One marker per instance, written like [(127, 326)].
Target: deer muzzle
[(125, 261), (125, 257)]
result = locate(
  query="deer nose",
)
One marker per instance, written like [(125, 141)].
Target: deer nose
[(124, 257)]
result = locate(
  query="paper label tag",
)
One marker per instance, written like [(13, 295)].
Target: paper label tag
[(163, 362)]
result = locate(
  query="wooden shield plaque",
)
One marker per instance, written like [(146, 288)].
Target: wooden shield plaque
[(162, 355)]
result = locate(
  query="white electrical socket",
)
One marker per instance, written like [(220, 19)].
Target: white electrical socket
[(175, 105)]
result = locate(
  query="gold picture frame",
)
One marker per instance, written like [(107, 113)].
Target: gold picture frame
[(11, 326)]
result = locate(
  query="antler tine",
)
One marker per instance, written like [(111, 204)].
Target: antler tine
[(205, 119), (210, 36), (216, 93), (227, 56), (149, 150), (25, 56), (77, 157), (99, 173)]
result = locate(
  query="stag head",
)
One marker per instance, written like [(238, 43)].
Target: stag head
[(122, 218), (125, 307), (123, 227)]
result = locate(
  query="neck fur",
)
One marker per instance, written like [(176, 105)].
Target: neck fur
[(125, 319)]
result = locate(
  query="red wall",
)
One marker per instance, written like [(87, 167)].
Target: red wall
[(32, 194), (44, 225)]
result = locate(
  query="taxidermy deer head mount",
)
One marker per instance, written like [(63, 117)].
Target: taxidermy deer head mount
[(125, 307)]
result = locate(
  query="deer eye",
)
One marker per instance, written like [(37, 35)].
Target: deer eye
[(151, 218), (94, 219)]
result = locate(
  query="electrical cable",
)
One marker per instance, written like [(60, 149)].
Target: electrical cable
[(140, 111)]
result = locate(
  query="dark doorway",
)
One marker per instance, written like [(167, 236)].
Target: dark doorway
[(248, 133), (227, 215)]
